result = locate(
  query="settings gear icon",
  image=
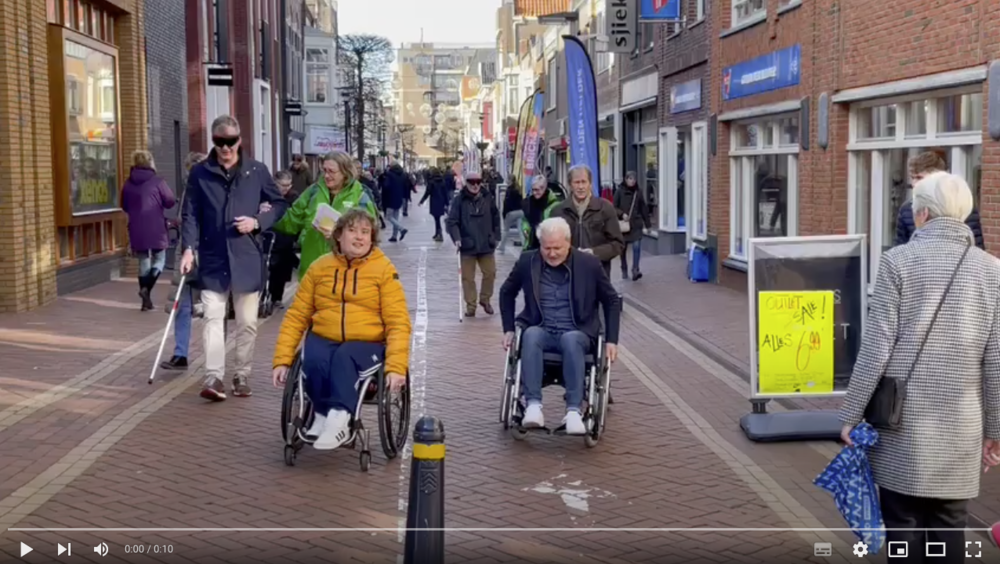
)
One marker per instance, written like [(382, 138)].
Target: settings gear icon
[(860, 550)]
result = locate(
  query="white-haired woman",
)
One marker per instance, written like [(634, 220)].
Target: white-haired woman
[(934, 327)]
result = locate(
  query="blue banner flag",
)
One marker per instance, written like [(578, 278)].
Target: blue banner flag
[(773, 71), (663, 10), (581, 93)]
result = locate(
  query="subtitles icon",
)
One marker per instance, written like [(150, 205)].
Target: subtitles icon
[(101, 549), (822, 549), (898, 549)]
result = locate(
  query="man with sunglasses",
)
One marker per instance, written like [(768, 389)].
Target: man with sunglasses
[(474, 226), (221, 220)]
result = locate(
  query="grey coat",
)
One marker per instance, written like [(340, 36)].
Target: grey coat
[(937, 453)]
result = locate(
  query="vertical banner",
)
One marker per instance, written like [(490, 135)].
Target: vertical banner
[(522, 127), (487, 129), (582, 96), (533, 137)]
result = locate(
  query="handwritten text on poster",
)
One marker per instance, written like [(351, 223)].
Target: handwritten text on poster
[(795, 342)]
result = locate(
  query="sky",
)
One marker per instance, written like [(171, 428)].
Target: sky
[(443, 21)]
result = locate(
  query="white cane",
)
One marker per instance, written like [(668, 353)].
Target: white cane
[(461, 300), (170, 323)]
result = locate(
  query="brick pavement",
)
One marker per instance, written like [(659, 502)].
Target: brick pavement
[(114, 452)]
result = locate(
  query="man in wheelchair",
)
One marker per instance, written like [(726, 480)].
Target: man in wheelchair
[(562, 290), (355, 304)]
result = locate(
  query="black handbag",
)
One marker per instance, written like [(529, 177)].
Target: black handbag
[(885, 408)]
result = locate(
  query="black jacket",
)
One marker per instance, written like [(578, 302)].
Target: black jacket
[(512, 200), (436, 191), (395, 187), (214, 198), (630, 201), (475, 221), (905, 225), (589, 287)]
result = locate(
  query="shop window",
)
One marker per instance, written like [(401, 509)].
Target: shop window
[(748, 10), (877, 122), (949, 123), (763, 183), (698, 181), (317, 76)]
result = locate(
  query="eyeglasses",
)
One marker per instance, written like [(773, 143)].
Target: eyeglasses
[(474, 182), (225, 141)]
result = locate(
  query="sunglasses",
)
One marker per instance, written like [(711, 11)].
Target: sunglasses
[(475, 182), (225, 141)]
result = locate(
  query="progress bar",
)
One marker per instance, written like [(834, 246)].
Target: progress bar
[(453, 529)]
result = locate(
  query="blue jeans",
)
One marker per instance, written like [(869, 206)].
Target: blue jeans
[(333, 369), (152, 260), (182, 323), (572, 345), (636, 253), (392, 216)]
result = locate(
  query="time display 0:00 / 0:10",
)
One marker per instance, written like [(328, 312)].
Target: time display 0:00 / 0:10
[(149, 549)]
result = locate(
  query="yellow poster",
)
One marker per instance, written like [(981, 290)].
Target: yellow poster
[(795, 342)]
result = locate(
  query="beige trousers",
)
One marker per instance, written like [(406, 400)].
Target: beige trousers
[(488, 265), (214, 336)]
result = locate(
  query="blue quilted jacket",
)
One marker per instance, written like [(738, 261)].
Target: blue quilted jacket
[(905, 226)]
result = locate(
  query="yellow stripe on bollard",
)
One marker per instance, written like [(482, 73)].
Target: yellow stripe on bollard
[(428, 452)]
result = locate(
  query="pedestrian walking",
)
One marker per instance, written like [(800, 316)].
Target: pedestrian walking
[(474, 226), (594, 220), (220, 221), (394, 191), (145, 198), (302, 177), (190, 302), (919, 166), (928, 372), (339, 188), (437, 192), (633, 218), (536, 209), (283, 259), (512, 215)]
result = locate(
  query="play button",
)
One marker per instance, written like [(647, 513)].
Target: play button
[(25, 549)]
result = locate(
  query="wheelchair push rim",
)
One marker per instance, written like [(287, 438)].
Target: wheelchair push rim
[(296, 410), (393, 416)]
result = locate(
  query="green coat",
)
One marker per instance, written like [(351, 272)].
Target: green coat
[(298, 221)]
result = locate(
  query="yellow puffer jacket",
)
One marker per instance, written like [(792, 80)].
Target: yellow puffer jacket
[(359, 300)]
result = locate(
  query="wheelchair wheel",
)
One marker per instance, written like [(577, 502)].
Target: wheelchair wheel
[(296, 411), (599, 411), (508, 383), (393, 416)]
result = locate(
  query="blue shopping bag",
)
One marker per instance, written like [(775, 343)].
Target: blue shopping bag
[(849, 478)]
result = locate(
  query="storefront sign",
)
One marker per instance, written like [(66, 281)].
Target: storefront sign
[(685, 96), (321, 140), (773, 71), (582, 109), (621, 27), (220, 76), (660, 10)]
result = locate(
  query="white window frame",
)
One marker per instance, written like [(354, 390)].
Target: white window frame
[(263, 149), (667, 183), (605, 60), (959, 144), (700, 10), (551, 82), (311, 66), (754, 15), (741, 166), (697, 182)]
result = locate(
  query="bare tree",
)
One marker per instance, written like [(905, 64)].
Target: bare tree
[(367, 57)]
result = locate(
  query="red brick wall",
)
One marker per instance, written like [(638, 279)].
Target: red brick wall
[(195, 77), (242, 57)]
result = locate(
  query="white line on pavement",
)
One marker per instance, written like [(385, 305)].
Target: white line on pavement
[(418, 384)]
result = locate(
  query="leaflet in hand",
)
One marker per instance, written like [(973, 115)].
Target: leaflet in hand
[(326, 217)]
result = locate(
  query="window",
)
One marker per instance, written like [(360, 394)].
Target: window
[(317, 76), (885, 134), (698, 181), (763, 172), (551, 82), (745, 11), (513, 103), (700, 10), (648, 35), (74, 98), (604, 60)]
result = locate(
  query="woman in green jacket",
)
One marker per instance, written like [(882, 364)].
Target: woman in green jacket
[(338, 188), (537, 208)]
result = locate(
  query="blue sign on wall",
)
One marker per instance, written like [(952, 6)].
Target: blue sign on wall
[(685, 96), (662, 10), (773, 71)]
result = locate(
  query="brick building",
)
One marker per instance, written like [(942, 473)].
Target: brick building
[(73, 107), (894, 78), (166, 79)]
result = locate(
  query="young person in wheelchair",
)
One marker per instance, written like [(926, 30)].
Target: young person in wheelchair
[(353, 305), (563, 288)]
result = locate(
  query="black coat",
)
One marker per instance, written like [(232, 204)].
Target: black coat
[(213, 199), (437, 193), (512, 200), (394, 188), (630, 201), (589, 287), (475, 221), (905, 225)]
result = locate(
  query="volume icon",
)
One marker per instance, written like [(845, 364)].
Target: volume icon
[(101, 549), (68, 549)]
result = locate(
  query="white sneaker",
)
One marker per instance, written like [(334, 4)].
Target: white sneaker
[(336, 431), (533, 417), (319, 421), (574, 423)]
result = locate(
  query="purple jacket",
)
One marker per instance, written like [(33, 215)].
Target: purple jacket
[(144, 198)]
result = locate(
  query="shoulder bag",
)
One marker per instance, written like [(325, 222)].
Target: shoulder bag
[(885, 409), (626, 224)]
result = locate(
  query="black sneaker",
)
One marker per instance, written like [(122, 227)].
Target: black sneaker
[(175, 363), (403, 234), (393, 239), (636, 276), (214, 390)]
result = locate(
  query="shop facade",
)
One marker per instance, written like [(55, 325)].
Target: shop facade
[(75, 110), (810, 141)]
